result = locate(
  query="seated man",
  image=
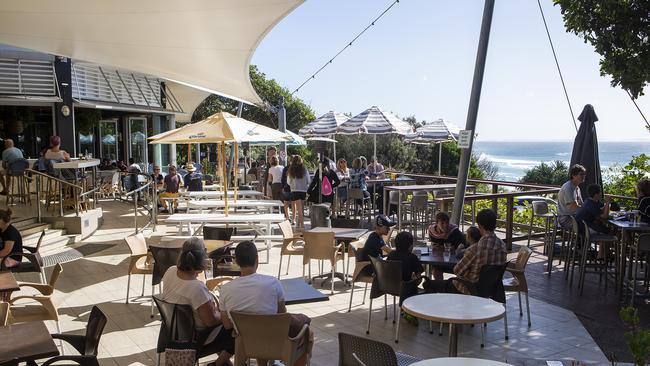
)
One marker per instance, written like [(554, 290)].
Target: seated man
[(157, 177), (569, 199), (441, 232), (490, 250), (193, 181), (257, 293), (594, 216), (375, 245), (9, 155)]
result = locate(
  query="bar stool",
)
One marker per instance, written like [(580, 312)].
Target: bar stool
[(540, 209), (642, 248), (17, 184), (354, 196)]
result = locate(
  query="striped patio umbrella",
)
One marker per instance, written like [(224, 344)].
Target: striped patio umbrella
[(435, 132), (323, 126), (374, 121)]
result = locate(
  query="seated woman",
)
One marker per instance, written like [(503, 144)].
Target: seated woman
[(181, 286), (55, 152), (643, 194), (444, 232), (411, 267), (12, 242)]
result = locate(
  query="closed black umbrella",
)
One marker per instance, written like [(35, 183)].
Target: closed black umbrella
[(585, 148)]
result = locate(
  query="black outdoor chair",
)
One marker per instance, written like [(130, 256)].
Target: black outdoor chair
[(223, 262), (489, 285), (163, 259), (87, 344), (34, 261), (354, 351)]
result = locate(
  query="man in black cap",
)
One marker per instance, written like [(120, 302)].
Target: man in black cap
[(375, 245)]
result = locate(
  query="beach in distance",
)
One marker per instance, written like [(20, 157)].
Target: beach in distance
[(515, 157)]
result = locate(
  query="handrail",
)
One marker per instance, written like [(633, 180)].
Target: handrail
[(32, 171), (141, 188), (484, 181)]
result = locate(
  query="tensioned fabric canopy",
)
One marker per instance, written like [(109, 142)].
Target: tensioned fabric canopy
[(220, 127), (324, 125), (205, 44)]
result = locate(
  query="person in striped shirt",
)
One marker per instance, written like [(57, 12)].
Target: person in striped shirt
[(489, 250)]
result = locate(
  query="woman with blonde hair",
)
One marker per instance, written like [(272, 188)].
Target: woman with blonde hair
[(299, 180)]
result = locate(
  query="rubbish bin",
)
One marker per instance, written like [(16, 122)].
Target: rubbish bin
[(319, 214)]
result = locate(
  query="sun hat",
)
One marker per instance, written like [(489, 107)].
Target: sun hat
[(190, 167)]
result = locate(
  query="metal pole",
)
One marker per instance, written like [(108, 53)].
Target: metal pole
[(61, 199), (475, 98), (374, 150), (38, 197), (135, 211), (439, 158), (334, 146), (154, 204), (282, 127)]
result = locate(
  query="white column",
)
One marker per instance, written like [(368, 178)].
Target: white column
[(172, 147)]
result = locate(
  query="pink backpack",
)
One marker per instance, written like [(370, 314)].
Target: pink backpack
[(326, 187)]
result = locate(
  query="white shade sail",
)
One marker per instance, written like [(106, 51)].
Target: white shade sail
[(221, 127), (205, 44), (374, 121), (432, 132), (324, 125)]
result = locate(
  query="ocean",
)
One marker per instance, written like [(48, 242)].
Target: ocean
[(515, 157)]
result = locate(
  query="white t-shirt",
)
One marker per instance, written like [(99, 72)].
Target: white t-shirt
[(185, 292), (255, 293), (276, 173)]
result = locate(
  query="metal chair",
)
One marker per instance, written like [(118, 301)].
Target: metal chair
[(388, 275), (34, 261), (355, 195), (141, 261), (355, 351), (540, 209), (267, 337), (87, 345), (321, 246), (359, 275), (163, 258), (292, 244), (517, 283), (599, 268), (17, 184), (223, 262)]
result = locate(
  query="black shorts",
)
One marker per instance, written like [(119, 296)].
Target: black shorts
[(298, 196)]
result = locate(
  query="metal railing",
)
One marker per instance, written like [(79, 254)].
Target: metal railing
[(61, 183), (150, 188)]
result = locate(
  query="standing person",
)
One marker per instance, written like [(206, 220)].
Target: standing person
[(344, 177), (182, 286), (171, 183), (569, 199), (376, 169), (257, 294), (490, 250), (358, 177), (318, 190), (9, 155), (298, 179), (55, 152), (270, 152), (275, 178), (285, 197), (643, 194), (193, 180)]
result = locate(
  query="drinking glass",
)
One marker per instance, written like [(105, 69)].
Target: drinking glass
[(447, 252)]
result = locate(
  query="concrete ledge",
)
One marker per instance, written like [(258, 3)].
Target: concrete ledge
[(83, 225)]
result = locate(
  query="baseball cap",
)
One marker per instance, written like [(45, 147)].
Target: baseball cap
[(383, 220)]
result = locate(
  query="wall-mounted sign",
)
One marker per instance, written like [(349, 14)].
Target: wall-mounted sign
[(463, 139)]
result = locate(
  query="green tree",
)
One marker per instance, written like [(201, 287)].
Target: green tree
[(620, 33), (555, 173), (622, 180)]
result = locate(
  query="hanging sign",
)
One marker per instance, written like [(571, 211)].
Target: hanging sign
[(463, 139)]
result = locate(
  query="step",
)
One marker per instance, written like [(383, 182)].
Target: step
[(22, 222), (33, 228), (32, 239)]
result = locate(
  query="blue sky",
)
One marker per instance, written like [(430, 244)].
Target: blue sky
[(419, 60)]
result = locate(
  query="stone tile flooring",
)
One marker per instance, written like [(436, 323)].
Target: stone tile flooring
[(130, 335)]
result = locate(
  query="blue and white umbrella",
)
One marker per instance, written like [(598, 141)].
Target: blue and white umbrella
[(323, 126), (374, 121), (438, 131)]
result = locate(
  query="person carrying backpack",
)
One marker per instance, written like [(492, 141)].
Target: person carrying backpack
[(323, 191)]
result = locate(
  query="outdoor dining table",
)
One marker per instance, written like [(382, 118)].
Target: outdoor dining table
[(627, 228), (410, 189), (219, 205), (453, 309), (435, 257), (25, 342), (345, 236), (386, 182), (8, 282), (297, 291), (458, 361)]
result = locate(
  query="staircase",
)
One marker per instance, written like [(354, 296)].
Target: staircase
[(55, 241)]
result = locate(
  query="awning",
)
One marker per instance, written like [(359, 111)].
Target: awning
[(205, 44)]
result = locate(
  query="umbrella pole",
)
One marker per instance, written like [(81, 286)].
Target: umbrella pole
[(225, 177), (334, 146), (189, 147), (439, 158), (235, 164), (374, 153)]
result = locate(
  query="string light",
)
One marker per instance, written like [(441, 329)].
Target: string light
[(349, 44)]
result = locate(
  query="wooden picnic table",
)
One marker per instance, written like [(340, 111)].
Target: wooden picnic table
[(25, 342)]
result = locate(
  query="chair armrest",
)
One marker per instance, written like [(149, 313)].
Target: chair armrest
[(43, 288), (514, 271), (44, 300), (79, 359), (30, 249), (303, 331), (77, 341)]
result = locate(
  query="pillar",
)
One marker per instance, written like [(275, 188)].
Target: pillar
[(64, 110), (172, 147)]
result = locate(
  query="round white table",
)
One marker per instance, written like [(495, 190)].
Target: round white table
[(453, 309), (458, 361)]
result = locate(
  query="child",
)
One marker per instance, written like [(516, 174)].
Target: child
[(473, 235), (411, 268)]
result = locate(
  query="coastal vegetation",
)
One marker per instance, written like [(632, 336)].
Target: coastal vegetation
[(555, 174)]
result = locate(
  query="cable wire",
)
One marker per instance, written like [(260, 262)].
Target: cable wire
[(550, 41), (349, 44), (638, 109)]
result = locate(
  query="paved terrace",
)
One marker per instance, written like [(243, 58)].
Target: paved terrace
[(99, 278)]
